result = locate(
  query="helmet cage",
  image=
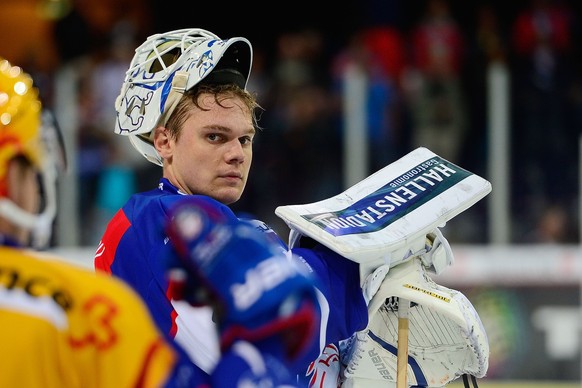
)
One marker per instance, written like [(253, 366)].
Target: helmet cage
[(52, 161), (164, 67), (29, 131)]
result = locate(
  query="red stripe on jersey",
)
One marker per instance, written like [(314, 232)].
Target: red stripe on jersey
[(108, 245), (174, 328)]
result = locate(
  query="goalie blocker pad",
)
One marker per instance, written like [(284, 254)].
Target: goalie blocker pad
[(378, 220)]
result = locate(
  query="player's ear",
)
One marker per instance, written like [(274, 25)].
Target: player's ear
[(163, 142)]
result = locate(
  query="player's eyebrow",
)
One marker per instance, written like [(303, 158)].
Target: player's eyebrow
[(221, 128)]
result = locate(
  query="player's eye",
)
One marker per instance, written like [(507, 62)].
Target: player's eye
[(213, 137), (246, 140)]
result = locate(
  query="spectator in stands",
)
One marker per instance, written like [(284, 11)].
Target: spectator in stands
[(434, 88), (545, 136)]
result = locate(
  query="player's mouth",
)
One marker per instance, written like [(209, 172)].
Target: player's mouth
[(232, 177)]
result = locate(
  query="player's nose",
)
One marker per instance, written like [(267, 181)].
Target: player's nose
[(235, 152)]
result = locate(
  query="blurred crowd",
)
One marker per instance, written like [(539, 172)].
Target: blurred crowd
[(427, 86)]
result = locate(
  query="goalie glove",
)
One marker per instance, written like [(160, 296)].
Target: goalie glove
[(256, 291), (446, 338), (435, 256)]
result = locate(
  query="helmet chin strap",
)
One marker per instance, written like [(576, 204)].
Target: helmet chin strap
[(145, 143), (177, 90)]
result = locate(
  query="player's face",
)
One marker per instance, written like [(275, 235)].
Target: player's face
[(213, 153), (23, 191)]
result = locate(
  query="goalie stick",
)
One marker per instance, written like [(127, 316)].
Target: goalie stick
[(402, 355)]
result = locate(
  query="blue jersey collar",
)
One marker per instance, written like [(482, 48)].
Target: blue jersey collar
[(167, 187)]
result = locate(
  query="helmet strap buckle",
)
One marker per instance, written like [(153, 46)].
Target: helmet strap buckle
[(179, 83)]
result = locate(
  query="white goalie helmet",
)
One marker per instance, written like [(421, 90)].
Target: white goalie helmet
[(166, 66)]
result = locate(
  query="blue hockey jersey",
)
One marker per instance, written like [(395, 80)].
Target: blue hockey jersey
[(132, 248)]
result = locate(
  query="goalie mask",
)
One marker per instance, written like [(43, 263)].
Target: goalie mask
[(28, 131), (166, 66)]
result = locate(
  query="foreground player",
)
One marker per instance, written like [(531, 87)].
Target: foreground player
[(64, 326), (184, 106)]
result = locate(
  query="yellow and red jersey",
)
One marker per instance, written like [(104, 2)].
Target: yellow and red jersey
[(64, 326)]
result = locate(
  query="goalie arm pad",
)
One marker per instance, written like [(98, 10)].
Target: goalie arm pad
[(256, 291)]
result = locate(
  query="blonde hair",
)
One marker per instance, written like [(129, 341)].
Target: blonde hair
[(220, 92)]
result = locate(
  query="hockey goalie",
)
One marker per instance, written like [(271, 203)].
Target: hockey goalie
[(419, 333)]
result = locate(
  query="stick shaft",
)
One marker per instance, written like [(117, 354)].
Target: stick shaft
[(402, 355)]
